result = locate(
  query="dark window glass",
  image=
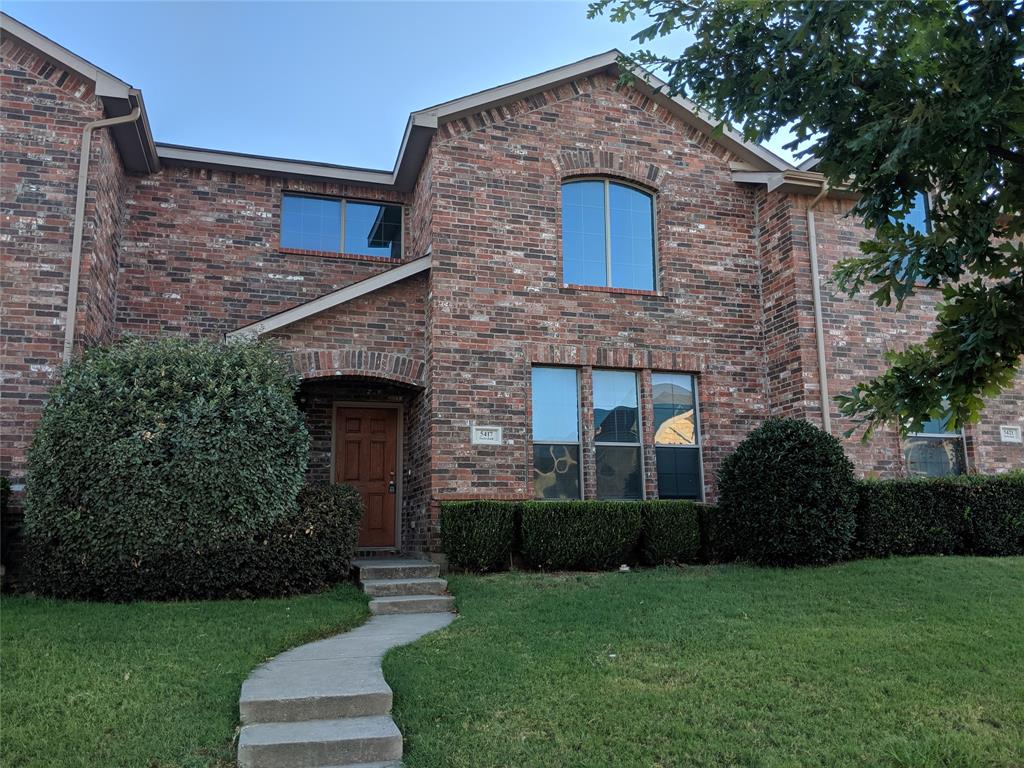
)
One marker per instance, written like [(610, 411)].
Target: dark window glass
[(616, 413), (935, 451), (555, 406), (556, 471), (676, 436), (619, 474), (311, 223), (632, 230), (583, 233), (373, 230), (556, 433), (594, 211), (678, 473), (675, 415), (934, 456)]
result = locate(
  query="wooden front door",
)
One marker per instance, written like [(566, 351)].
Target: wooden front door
[(366, 457)]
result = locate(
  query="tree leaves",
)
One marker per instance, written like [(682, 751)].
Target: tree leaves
[(895, 98)]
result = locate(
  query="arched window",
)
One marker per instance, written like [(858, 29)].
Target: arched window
[(607, 235)]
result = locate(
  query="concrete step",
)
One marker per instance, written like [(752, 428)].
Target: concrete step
[(395, 587), (284, 692), (412, 604), (377, 569), (319, 743)]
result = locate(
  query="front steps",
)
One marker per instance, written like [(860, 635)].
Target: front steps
[(326, 704)]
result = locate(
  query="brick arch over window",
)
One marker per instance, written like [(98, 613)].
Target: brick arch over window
[(358, 362), (587, 162)]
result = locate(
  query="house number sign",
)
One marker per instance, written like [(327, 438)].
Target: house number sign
[(485, 435)]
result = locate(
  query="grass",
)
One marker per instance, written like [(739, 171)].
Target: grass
[(146, 685), (903, 662)]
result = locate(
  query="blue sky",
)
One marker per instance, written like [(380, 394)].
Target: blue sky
[(326, 81)]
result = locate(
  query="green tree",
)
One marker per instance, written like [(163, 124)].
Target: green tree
[(895, 98)]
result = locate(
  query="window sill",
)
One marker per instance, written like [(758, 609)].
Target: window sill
[(609, 289), (336, 255)]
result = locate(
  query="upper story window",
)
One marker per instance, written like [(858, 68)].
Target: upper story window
[(341, 226), (919, 216), (607, 235), (936, 450)]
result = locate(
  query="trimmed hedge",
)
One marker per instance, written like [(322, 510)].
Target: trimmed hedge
[(981, 515), (670, 531), (787, 496), (479, 535), (151, 452), (562, 535), (579, 535)]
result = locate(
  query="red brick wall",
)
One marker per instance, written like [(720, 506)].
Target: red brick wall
[(499, 304), (201, 256), (44, 110), (858, 333)]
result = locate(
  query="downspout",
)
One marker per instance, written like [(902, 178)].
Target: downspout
[(76, 241), (819, 330)]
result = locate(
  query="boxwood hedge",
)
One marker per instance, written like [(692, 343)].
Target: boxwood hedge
[(670, 531), (152, 454), (479, 535)]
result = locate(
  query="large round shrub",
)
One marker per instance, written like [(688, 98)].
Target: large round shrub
[(150, 453), (787, 496)]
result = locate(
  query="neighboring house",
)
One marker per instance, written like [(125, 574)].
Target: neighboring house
[(565, 288)]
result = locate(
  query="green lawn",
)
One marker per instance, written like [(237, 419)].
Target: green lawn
[(147, 685), (904, 662)]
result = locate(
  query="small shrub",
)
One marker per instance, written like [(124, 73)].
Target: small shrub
[(478, 535), (787, 496), (151, 453), (670, 531), (941, 516), (587, 535)]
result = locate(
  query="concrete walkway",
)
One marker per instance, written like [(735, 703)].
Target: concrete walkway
[(326, 704)]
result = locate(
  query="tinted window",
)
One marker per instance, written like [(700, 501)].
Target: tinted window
[(373, 230), (619, 472), (556, 471), (555, 406), (607, 235), (675, 421), (632, 238), (583, 233), (616, 414), (311, 223)]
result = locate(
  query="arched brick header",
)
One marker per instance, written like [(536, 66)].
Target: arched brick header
[(358, 362), (586, 162)]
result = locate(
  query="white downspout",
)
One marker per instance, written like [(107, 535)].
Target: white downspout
[(76, 241), (819, 330)]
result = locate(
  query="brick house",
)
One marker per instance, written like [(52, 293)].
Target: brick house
[(565, 287)]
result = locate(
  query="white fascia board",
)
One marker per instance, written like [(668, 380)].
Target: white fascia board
[(333, 299)]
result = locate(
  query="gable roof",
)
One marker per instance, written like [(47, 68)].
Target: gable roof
[(134, 140), (332, 299), (423, 123)]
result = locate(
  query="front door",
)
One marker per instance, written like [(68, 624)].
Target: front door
[(365, 457)]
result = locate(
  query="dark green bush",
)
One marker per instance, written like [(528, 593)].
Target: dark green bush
[(149, 453), (787, 496), (670, 531), (587, 535), (941, 516), (479, 535)]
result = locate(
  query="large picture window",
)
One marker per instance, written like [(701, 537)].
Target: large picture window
[(607, 235), (341, 226), (556, 433), (936, 451), (676, 436), (618, 459)]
